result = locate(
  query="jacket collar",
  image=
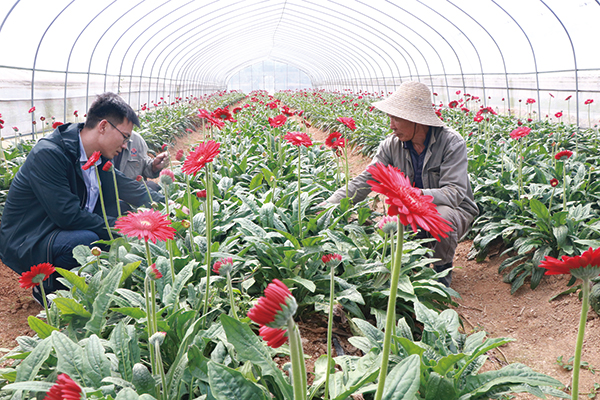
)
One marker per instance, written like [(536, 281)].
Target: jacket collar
[(67, 137)]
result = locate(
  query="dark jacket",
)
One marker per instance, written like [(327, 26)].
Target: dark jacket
[(48, 194)]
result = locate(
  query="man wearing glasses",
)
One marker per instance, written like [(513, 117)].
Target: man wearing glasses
[(53, 205)]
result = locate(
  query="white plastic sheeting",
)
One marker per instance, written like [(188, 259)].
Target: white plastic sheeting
[(63, 52)]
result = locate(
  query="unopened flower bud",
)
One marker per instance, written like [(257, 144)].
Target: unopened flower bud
[(201, 194), (167, 177), (185, 223), (96, 251), (157, 339), (153, 272), (223, 266)]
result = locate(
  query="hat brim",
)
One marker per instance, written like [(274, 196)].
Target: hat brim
[(420, 115)]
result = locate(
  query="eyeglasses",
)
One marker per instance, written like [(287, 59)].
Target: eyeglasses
[(126, 139)]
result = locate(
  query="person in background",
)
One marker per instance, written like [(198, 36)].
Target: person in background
[(134, 160), (432, 156), (53, 204)]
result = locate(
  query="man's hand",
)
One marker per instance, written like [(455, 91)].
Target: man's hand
[(159, 162)]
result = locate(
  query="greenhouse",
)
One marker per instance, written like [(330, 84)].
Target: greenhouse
[(293, 199)]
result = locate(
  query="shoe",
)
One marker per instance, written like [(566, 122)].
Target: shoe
[(37, 295), (446, 280)]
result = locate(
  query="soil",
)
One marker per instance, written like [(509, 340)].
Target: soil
[(543, 330)]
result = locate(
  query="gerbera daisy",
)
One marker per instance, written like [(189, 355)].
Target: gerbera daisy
[(56, 124), (204, 153), (329, 259), (222, 114), (407, 202), (335, 140), (149, 225), (274, 337), (65, 388), (520, 132), (277, 121), (36, 275), (388, 224), (585, 265), (167, 176), (348, 121), (153, 272), (107, 166), (554, 182), (564, 153), (276, 307), (223, 266), (92, 160), (298, 139)]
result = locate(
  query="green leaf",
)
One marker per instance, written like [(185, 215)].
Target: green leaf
[(128, 270), (256, 181), (439, 387), (127, 394), (95, 362), (42, 329), (74, 279), (250, 348), (539, 209), (82, 253), (403, 381), (30, 386), (301, 281), (175, 375), (123, 340), (28, 368), (229, 384), (479, 385), (70, 357), (133, 312), (374, 335), (180, 281), (70, 306), (103, 299)]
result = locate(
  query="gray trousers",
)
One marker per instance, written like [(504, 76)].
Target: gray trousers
[(460, 221)]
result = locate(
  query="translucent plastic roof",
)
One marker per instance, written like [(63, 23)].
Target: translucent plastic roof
[(373, 45)]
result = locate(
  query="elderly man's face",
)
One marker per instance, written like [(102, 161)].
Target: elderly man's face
[(402, 128)]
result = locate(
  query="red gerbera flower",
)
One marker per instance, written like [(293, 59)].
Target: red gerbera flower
[(32, 109), (590, 259), (56, 124), (276, 307), (36, 275), (298, 139), (329, 259), (274, 337), (64, 389), (236, 110), (216, 122), (568, 98), (222, 114), (348, 121), (478, 118), (406, 201), (149, 225), (278, 121), (453, 104), (203, 113), (564, 153), (107, 166), (201, 194), (554, 182), (223, 266), (520, 132), (335, 140), (589, 101), (530, 101), (76, 113), (558, 114), (204, 153), (92, 160)]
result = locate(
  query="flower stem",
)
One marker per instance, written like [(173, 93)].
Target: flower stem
[(231, 300), (46, 304), (169, 241), (299, 194), (330, 329), (191, 210), (208, 218), (346, 174), (116, 191), (297, 356), (102, 203), (564, 186), (585, 290), (390, 321), (147, 190)]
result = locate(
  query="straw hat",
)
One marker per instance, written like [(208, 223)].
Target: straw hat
[(412, 101)]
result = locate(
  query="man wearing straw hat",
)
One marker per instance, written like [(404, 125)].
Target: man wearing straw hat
[(432, 156)]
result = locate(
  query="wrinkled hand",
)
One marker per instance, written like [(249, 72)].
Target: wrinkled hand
[(160, 161)]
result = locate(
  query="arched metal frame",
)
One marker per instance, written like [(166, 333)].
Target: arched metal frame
[(337, 44)]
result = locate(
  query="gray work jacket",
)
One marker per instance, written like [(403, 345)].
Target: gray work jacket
[(135, 159), (444, 175)]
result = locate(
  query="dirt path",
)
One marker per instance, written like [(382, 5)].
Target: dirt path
[(543, 330)]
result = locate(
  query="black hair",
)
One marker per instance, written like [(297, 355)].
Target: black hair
[(112, 107)]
